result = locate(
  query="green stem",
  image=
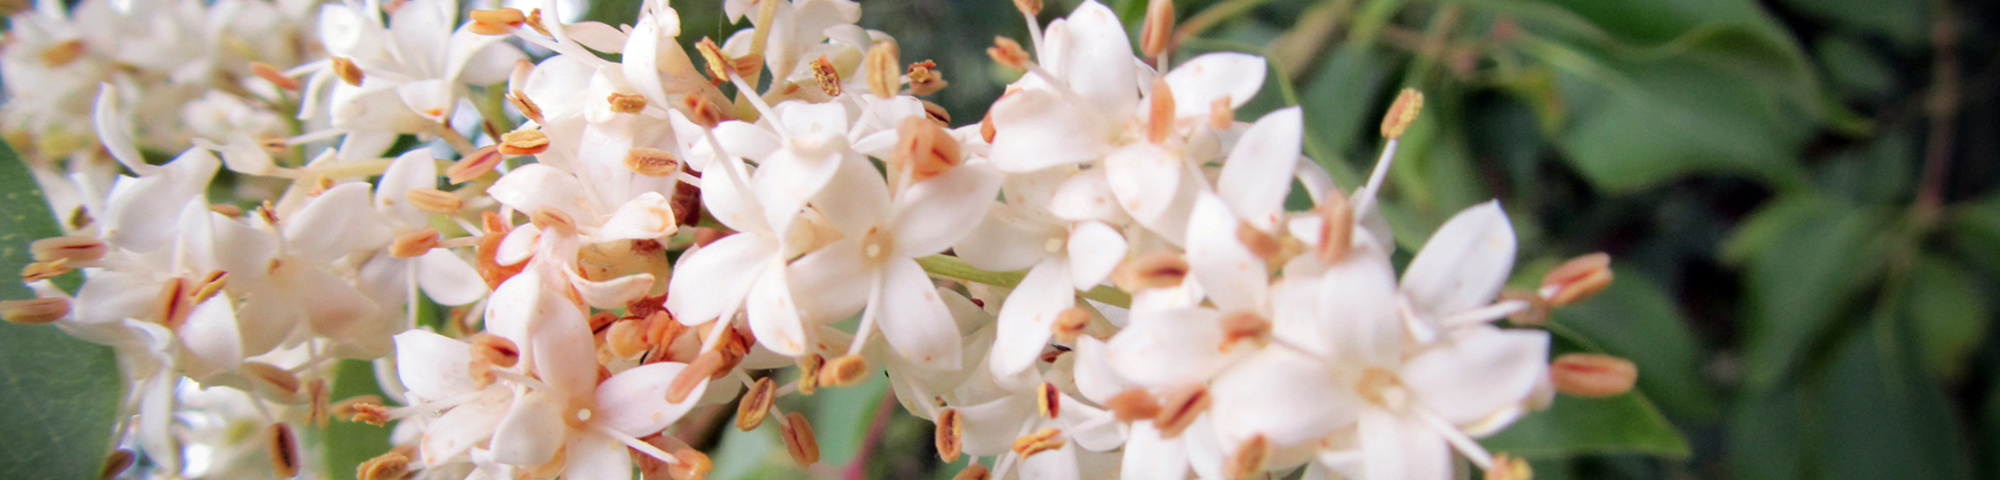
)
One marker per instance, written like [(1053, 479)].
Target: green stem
[(955, 269)]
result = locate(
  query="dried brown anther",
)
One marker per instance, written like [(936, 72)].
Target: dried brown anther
[(652, 162), (925, 79), (284, 450), (809, 367), (347, 71), (718, 63), (756, 404), (799, 440), (364, 409), (116, 463), (1048, 401), (826, 76)]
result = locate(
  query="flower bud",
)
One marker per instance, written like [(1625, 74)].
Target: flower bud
[(1577, 279), (1593, 375), (1401, 114)]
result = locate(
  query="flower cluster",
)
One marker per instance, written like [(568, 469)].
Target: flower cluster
[(1098, 279)]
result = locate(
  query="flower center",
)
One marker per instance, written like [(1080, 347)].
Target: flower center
[(1383, 388), (876, 245)]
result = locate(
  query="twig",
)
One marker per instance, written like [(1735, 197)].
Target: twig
[(858, 469), (1943, 109)]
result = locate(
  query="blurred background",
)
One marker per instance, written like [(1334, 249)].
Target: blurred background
[(1799, 195)]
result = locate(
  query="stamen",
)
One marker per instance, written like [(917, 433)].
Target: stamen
[(527, 140), (1160, 119), (473, 166), (973, 472), (368, 412), (320, 411), (1577, 279), (799, 440), (210, 285), (756, 404), (553, 220), (488, 352), (809, 367), (173, 304), (527, 107), (273, 75), (925, 79), (1048, 401), (827, 77), (1157, 34), (1336, 229), (277, 378), (1008, 53), (936, 112), (1509, 467), (949, 436), (1382, 388), (693, 465), (434, 200), (62, 53), (844, 371), (1401, 114), (626, 338), (499, 16), (1536, 311), (1593, 375), (626, 103), (38, 271), (883, 81), (116, 463), (719, 66), (414, 244), (388, 466), (924, 148), (34, 311), (703, 111), (1133, 405), (1244, 325), (1159, 270), (1048, 438), (535, 22), (1029, 7), (986, 130), (347, 71), (1179, 409), (652, 162), (225, 209), (1261, 244), (1249, 459), (284, 450), (1221, 116), (696, 374), (1069, 324)]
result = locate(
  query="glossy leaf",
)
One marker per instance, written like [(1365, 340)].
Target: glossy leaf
[(62, 394)]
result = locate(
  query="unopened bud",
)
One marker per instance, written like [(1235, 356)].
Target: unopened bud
[(34, 311), (1577, 279), (347, 71), (846, 370), (881, 62), (272, 74), (652, 162), (1402, 113), (1008, 53), (434, 200), (949, 437), (284, 450), (474, 165), (1157, 35), (1179, 409), (1593, 375), (526, 140), (414, 244), (1249, 459), (799, 440)]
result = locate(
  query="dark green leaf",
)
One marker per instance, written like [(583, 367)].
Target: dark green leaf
[(61, 394), (1796, 293), (1627, 423), (1947, 314), (1882, 418), (841, 417), (1635, 319)]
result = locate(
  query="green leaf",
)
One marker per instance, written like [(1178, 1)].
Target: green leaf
[(1905, 23), (61, 394), (1881, 418), (1796, 293), (1637, 320), (841, 417), (1765, 433), (1947, 313), (1627, 423), (348, 444)]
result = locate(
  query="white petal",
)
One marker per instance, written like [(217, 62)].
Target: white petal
[(786, 181), (531, 432), (412, 170), (1354, 318), (432, 366), (1464, 264), (1004, 242), (1168, 348), (1145, 178), (1200, 81), (1025, 320), (1058, 464), (210, 340), (115, 133), (1400, 448), (1099, 60), (734, 207), (831, 282), (1086, 196), (989, 428), (914, 320), (855, 198), (1095, 249), (714, 278), (335, 223), (447, 279), (1234, 278), (1258, 174), (535, 186), (1477, 373), (1095, 377), (1035, 129), (595, 456), (933, 213), (611, 293), (1148, 457), (646, 217), (1287, 397), (774, 318), (461, 428), (634, 402), (560, 343)]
